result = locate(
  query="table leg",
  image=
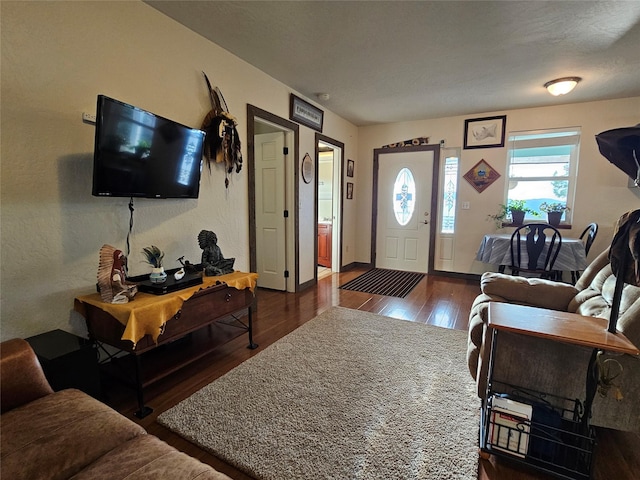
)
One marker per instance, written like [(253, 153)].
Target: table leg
[(592, 387), (252, 345), (143, 411)]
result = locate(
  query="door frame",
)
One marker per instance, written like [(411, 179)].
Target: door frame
[(434, 196), (337, 144), (254, 112)]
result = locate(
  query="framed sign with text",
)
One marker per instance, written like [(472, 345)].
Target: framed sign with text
[(305, 113)]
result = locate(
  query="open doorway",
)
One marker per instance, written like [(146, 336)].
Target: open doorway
[(330, 162), (273, 194)]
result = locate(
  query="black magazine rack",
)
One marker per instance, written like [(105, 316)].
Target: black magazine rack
[(553, 439)]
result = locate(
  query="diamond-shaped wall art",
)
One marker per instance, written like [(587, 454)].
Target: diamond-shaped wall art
[(481, 176)]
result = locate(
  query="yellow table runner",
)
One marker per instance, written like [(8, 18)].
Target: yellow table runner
[(147, 313)]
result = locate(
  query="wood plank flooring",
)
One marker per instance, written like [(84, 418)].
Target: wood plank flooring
[(440, 301)]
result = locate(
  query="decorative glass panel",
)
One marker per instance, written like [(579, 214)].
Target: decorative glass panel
[(404, 196), (450, 192)]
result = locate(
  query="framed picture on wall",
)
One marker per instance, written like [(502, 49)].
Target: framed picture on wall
[(349, 190), (487, 132), (305, 113), (481, 175), (350, 167)]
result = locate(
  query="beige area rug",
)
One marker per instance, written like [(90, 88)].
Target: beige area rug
[(348, 395)]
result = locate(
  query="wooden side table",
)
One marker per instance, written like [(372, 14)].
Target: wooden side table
[(68, 361), (558, 327)]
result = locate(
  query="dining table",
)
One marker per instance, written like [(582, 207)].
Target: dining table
[(495, 249)]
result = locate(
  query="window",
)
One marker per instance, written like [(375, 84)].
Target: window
[(404, 194), (542, 167), (449, 192)]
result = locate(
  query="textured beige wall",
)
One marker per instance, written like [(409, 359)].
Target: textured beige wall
[(56, 58), (602, 194)]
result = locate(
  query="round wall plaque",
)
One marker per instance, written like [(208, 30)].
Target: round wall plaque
[(307, 168)]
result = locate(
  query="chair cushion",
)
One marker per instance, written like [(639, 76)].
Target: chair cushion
[(147, 457), (528, 291), (58, 435)]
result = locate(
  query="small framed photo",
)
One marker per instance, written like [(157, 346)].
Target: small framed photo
[(349, 191), (350, 167), (487, 132), (305, 113)]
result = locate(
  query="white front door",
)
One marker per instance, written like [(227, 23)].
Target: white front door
[(270, 206), (404, 204)]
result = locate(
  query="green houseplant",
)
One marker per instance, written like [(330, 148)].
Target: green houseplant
[(153, 256), (516, 209), (554, 211)]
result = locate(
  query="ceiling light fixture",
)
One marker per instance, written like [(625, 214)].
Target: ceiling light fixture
[(323, 96), (561, 86)]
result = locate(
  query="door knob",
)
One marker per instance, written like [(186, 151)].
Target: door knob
[(426, 222)]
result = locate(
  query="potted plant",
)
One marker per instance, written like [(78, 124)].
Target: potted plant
[(554, 211), (516, 209), (153, 256)]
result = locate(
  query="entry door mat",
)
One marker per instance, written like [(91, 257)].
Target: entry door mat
[(380, 281)]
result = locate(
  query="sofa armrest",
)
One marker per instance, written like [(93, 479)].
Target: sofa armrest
[(22, 377), (535, 292)]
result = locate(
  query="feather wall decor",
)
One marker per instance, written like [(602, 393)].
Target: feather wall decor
[(222, 144)]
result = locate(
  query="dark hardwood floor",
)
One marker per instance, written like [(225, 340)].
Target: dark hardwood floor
[(440, 301)]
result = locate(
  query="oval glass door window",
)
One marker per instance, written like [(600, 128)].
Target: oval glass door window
[(404, 196)]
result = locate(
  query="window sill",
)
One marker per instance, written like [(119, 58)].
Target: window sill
[(562, 226)]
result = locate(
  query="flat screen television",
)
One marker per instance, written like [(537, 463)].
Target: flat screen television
[(140, 154)]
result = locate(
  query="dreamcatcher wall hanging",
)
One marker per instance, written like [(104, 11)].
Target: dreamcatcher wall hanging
[(222, 144)]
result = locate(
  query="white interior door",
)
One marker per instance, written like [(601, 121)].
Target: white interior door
[(404, 202), (270, 206)]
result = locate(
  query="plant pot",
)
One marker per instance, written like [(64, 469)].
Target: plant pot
[(517, 217), (158, 275), (553, 218)]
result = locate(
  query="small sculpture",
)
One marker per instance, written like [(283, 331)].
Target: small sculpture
[(153, 256), (189, 267), (213, 262), (112, 276)]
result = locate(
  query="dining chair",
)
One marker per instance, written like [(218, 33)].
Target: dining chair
[(541, 243), (587, 237)]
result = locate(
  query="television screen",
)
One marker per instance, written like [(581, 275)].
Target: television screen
[(139, 154)]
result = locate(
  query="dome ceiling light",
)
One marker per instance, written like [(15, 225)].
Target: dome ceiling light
[(562, 86)]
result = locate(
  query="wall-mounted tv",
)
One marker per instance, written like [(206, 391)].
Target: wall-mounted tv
[(140, 154)]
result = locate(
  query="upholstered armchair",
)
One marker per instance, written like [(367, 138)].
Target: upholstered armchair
[(554, 367)]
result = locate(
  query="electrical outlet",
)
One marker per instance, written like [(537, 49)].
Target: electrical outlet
[(89, 118), (465, 205)]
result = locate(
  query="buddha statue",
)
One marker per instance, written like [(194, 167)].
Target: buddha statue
[(213, 262)]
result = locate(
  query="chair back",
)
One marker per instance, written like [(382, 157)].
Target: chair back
[(590, 232), (542, 244)]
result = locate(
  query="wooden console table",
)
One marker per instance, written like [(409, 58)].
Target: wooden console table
[(150, 321)]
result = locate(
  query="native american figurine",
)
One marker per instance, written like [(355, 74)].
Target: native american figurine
[(222, 144), (213, 262), (112, 276)]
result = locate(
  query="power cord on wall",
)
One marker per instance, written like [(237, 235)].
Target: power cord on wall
[(130, 225)]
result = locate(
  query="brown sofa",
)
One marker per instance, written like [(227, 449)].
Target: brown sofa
[(69, 435), (554, 367)]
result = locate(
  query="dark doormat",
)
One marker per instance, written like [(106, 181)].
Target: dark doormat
[(379, 281)]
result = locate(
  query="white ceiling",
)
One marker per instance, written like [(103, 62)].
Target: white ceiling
[(393, 61)]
